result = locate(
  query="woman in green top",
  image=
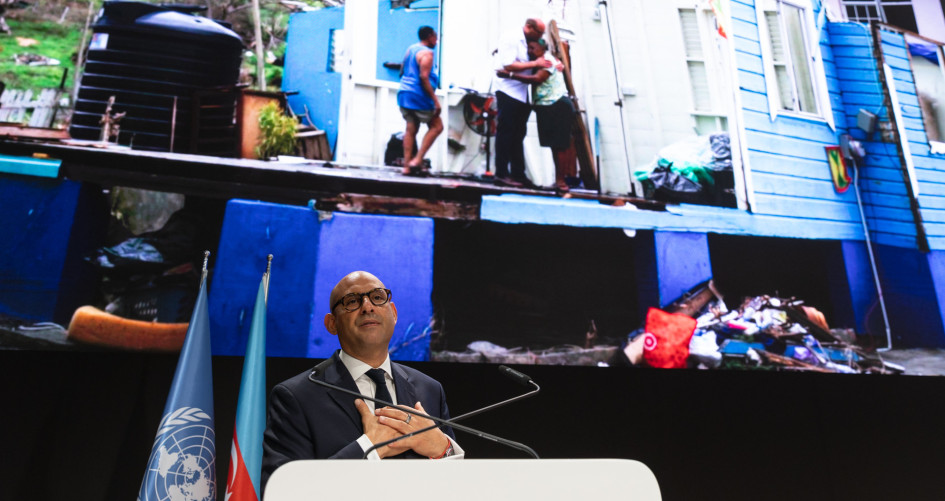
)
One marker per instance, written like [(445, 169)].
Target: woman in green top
[(553, 109)]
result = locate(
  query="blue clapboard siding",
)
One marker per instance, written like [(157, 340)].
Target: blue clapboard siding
[(884, 191), (929, 169), (789, 170)]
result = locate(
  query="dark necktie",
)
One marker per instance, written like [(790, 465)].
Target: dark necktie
[(381, 392)]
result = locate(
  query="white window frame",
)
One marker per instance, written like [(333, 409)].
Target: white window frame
[(879, 5), (824, 110), (714, 70)]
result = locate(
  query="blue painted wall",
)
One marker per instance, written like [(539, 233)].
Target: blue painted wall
[(312, 251), (911, 293), (46, 226), (929, 169), (252, 231), (788, 163), (397, 30), (885, 197), (308, 51), (399, 251)]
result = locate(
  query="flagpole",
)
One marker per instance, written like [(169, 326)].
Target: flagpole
[(266, 277)]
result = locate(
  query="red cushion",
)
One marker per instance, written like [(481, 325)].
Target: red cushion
[(666, 341)]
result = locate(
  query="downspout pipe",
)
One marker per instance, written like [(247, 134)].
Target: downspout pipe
[(869, 249), (605, 14)]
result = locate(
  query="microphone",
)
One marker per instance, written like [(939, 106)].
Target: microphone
[(517, 376), (320, 368)]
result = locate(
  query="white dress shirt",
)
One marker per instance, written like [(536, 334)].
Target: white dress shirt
[(513, 50), (366, 386)]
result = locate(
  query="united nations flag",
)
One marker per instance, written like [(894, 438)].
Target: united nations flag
[(182, 465)]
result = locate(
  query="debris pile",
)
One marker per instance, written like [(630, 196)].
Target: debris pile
[(763, 332), (486, 352)]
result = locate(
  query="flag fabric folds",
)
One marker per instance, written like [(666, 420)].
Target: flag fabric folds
[(243, 480), (182, 464)]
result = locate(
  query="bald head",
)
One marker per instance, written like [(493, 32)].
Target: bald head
[(346, 282), (534, 29), (365, 332)]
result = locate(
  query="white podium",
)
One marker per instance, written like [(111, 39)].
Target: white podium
[(471, 479)]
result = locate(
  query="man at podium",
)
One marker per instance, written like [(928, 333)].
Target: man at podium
[(307, 420)]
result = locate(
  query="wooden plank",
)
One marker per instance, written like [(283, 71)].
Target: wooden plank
[(790, 126), (848, 28), (855, 52), (802, 208), (752, 82), (888, 200), (860, 80), (821, 189), (580, 134), (21, 131), (788, 166), (754, 101), (932, 202), (934, 218), (848, 40), (892, 39), (746, 45), (893, 240), (768, 142), (887, 187), (930, 176), (745, 28), (399, 206), (743, 12), (853, 63), (894, 215), (750, 63)]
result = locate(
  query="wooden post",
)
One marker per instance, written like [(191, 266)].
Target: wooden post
[(582, 139)]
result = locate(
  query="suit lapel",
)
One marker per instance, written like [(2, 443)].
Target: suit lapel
[(338, 375), (406, 393)]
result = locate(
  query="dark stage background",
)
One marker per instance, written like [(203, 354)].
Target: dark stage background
[(79, 426)]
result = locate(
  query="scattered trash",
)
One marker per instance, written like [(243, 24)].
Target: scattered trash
[(484, 351), (764, 332), (19, 334), (34, 60), (696, 170)]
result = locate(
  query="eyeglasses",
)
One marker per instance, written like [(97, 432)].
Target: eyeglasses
[(353, 301)]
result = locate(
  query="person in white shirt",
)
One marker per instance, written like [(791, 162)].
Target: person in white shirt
[(512, 102), (554, 110)]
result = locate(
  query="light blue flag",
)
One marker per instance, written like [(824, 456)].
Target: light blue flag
[(183, 458), (246, 452)]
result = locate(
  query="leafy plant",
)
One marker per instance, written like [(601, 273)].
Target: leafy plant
[(277, 130)]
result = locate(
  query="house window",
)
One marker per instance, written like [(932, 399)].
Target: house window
[(929, 76), (788, 39), (704, 63), (898, 13)]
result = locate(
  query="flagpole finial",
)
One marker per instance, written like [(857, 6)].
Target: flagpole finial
[(269, 264), (206, 258)]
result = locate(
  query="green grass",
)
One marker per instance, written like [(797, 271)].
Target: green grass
[(56, 41)]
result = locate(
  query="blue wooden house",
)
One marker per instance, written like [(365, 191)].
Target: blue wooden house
[(789, 82), (794, 79)]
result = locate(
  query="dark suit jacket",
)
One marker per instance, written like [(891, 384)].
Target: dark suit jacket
[(309, 421)]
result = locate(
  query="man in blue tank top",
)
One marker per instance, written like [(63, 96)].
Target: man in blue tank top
[(417, 98)]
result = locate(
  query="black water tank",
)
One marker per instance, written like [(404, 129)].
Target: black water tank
[(146, 56)]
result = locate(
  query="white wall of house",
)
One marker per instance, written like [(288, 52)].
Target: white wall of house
[(930, 19), (652, 79)]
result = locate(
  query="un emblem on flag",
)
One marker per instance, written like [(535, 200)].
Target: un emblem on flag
[(182, 463)]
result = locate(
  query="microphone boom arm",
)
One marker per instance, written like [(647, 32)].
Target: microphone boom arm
[(451, 422), (439, 421)]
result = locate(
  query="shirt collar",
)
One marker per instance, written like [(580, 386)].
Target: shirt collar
[(358, 368)]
